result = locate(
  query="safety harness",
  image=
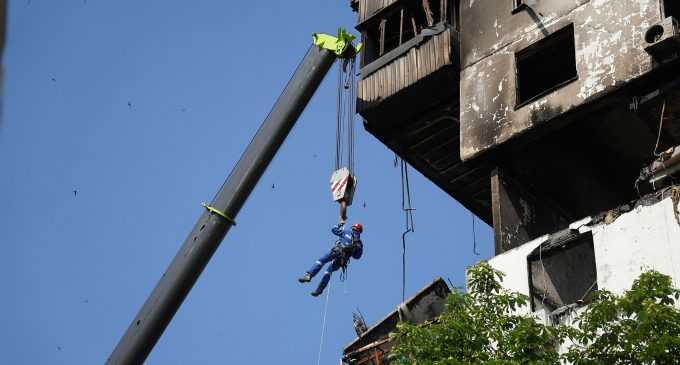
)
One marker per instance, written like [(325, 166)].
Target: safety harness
[(345, 255)]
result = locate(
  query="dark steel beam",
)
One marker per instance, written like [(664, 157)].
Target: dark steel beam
[(157, 312)]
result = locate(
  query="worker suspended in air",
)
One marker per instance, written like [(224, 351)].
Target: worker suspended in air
[(342, 184), (348, 246)]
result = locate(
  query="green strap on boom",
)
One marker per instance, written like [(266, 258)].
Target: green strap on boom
[(341, 45), (222, 214)]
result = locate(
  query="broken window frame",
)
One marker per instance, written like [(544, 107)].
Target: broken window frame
[(402, 21), (563, 243), (518, 5), (546, 45)]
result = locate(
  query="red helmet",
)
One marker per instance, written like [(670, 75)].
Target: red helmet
[(357, 227)]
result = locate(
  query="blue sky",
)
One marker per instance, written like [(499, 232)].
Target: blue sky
[(144, 107)]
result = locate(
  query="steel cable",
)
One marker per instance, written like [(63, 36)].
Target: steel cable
[(407, 208)]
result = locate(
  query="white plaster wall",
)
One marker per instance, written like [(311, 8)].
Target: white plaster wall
[(647, 237), (513, 264)]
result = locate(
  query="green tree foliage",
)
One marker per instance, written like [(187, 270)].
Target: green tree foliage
[(479, 327), (642, 326)]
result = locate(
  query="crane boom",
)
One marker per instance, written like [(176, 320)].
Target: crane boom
[(195, 253)]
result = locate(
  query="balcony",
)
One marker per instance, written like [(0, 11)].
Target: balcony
[(412, 76), (410, 56), (408, 92)]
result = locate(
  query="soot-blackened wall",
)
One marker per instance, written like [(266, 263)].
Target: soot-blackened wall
[(609, 52)]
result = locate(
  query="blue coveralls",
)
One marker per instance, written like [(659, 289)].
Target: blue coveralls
[(347, 236)]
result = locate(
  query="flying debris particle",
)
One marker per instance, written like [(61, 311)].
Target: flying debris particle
[(54, 80), (273, 186), (59, 348), (315, 155), (364, 205), (129, 104), (75, 193)]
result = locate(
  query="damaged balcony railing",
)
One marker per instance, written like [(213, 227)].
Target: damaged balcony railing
[(402, 67), (405, 42)]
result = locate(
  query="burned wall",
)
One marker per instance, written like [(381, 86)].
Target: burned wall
[(425, 305), (624, 245), (608, 42), (368, 8)]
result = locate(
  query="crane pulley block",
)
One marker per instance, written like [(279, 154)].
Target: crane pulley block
[(343, 185)]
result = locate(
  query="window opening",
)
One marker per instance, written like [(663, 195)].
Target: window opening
[(435, 11), (416, 14), (371, 40), (404, 22), (562, 272), (392, 28), (671, 8), (546, 66), (518, 5)]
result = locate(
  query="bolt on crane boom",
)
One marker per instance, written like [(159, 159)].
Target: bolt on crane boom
[(195, 253)]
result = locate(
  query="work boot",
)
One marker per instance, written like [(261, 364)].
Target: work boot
[(316, 292), (306, 278)]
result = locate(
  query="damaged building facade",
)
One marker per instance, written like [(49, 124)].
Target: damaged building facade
[(557, 96), (372, 346), (555, 121), (559, 271)]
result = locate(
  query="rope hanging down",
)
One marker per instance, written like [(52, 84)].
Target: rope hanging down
[(323, 324), (658, 137), (474, 236), (408, 216)]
